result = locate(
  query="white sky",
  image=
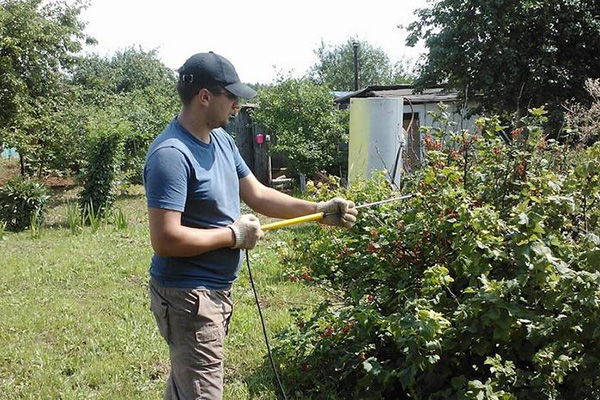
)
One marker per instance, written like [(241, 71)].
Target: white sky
[(259, 37)]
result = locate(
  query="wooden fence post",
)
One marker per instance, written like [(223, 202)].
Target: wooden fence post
[(244, 136), (262, 161)]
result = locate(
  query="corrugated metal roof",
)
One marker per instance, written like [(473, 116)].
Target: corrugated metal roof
[(430, 95), (339, 93)]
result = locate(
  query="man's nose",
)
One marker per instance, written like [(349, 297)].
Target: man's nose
[(236, 107)]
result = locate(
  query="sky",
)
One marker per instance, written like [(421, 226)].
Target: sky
[(261, 38)]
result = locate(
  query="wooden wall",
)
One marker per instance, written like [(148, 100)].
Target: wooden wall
[(244, 130)]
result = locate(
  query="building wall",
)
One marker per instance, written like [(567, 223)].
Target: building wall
[(454, 112), (455, 115)]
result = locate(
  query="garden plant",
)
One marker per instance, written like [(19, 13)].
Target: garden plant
[(484, 285), (22, 203)]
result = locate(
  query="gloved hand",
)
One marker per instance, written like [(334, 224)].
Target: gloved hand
[(247, 232), (338, 212)]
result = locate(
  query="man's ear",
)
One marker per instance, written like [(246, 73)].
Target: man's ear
[(204, 96)]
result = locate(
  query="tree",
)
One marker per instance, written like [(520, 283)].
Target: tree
[(304, 122), (514, 54), (127, 70), (259, 86), (138, 84), (38, 43), (335, 66)]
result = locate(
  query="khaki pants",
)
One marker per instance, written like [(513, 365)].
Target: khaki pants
[(194, 323)]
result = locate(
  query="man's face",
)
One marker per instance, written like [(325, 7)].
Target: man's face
[(224, 105)]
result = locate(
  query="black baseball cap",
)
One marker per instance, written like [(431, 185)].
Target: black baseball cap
[(213, 68)]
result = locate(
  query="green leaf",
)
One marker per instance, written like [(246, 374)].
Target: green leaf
[(523, 219)]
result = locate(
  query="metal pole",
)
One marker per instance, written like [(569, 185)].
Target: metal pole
[(355, 47)]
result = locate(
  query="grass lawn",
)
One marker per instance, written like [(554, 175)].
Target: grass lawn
[(76, 324)]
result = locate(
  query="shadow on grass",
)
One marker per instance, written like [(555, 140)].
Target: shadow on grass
[(263, 377)]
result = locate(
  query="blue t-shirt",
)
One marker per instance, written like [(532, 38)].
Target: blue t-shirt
[(200, 180)]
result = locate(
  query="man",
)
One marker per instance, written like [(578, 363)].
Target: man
[(194, 178)]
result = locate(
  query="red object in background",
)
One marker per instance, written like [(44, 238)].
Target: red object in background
[(260, 138)]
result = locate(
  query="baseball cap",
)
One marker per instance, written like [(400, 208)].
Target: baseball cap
[(211, 67)]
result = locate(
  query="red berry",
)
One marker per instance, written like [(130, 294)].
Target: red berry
[(516, 133), (371, 248)]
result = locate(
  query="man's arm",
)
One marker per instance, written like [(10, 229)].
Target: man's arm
[(171, 239), (272, 203)]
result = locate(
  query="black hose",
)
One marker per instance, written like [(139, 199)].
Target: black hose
[(264, 328)]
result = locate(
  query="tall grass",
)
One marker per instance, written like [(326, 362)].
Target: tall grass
[(92, 216), (75, 218), (119, 219), (35, 225)]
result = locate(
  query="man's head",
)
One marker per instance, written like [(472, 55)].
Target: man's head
[(212, 72)]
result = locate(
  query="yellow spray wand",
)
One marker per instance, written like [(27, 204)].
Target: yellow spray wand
[(320, 216)]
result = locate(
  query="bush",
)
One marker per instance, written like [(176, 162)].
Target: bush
[(100, 178), (484, 285), (585, 121), (304, 123), (20, 200), (148, 112)]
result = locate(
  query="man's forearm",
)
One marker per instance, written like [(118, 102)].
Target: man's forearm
[(186, 242), (276, 204)]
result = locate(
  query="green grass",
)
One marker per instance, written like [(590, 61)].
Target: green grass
[(76, 324)]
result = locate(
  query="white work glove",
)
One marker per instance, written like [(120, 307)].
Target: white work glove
[(247, 232), (338, 212)]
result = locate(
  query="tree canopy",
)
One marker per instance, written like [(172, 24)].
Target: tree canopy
[(515, 54), (335, 66), (131, 88), (38, 44), (126, 71), (306, 126), (50, 89)]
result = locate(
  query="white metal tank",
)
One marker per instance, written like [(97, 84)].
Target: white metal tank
[(375, 136)]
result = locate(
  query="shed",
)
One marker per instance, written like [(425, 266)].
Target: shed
[(416, 107), (253, 143)]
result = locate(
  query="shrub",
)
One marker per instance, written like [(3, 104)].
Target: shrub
[(304, 123), (148, 111), (20, 200), (585, 121), (100, 178), (484, 285)]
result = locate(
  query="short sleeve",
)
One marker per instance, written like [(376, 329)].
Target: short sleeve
[(240, 165), (166, 176)]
